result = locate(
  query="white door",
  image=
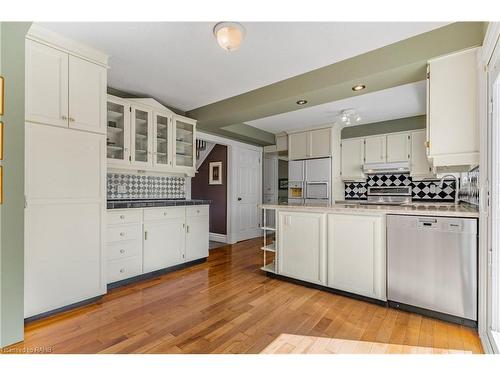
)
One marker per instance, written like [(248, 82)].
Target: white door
[(270, 180), (46, 85), (164, 244), (320, 143), (298, 146), (248, 193), (352, 159), (141, 139), (302, 246), (356, 254), (63, 258), (398, 147), (196, 237), (87, 95), (375, 149), (419, 165)]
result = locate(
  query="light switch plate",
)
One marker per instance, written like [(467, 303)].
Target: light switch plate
[(122, 189)]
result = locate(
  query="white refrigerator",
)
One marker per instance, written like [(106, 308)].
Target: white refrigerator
[(309, 181)]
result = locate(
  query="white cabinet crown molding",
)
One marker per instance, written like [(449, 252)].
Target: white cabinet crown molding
[(54, 40)]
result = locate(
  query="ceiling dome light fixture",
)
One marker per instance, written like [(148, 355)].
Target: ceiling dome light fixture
[(301, 102), (358, 87), (349, 116), (229, 35)]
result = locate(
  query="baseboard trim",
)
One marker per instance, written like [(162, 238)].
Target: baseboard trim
[(63, 309), (327, 289), (152, 275), (218, 237)]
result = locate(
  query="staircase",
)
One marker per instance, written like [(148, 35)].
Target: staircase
[(203, 149)]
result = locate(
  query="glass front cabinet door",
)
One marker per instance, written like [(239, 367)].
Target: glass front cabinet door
[(141, 136), (184, 132), (161, 147), (118, 132)]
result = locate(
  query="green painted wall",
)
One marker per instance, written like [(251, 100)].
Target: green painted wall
[(12, 209), (383, 127)]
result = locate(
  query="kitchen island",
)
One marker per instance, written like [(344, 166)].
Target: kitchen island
[(341, 247)]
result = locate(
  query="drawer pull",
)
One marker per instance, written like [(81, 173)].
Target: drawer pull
[(122, 234), (122, 251), (164, 214), (122, 217), (122, 270), (197, 211)]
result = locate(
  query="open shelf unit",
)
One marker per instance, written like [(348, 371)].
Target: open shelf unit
[(270, 240)]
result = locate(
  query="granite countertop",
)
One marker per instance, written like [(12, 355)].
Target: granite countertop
[(415, 208), (148, 203)]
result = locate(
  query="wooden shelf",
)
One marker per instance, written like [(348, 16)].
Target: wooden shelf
[(113, 115), (268, 228), (114, 148), (114, 130), (270, 247)]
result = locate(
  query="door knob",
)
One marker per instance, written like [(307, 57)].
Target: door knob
[(239, 198)]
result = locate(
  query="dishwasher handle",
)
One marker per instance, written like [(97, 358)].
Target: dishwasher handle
[(427, 223)]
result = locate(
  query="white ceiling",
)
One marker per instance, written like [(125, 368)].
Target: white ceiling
[(180, 64), (397, 102)]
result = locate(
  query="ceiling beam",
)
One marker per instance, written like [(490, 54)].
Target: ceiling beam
[(393, 65)]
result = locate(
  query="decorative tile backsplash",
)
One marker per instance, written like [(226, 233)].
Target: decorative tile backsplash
[(421, 190), (131, 186)]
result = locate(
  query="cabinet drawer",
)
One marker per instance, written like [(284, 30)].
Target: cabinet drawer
[(124, 268), (124, 233), (156, 214), (124, 217), (120, 250), (197, 211)]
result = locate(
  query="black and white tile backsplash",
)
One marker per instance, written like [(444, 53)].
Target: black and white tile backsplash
[(132, 186), (421, 190)]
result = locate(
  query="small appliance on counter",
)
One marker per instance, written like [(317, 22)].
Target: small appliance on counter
[(309, 181)]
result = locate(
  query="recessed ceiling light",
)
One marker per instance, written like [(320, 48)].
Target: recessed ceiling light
[(358, 87), (229, 35), (301, 102)]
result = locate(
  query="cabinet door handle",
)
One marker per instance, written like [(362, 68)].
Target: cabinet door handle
[(64, 117), (145, 235), (71, 119), (122, 234), (122, 251), (122, 270), (187, 228), (122, 217), (165, 213)]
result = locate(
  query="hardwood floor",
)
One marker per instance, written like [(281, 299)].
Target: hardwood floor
[(227, 305)]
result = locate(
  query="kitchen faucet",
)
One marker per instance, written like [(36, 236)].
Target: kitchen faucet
[(441, 184)]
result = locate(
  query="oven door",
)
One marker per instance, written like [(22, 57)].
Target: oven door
[(317, 190)]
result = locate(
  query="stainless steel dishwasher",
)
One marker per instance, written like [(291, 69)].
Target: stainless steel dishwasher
[(432, 265)]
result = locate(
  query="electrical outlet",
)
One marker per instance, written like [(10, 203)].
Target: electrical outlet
[(432, 188), (122, 189)]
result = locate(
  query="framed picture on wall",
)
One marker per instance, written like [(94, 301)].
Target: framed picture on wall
[(215, 173)]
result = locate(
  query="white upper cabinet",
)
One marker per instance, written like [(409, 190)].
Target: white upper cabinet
[(320, 143), (375, 149), (452, 112), (118, 129), (310, 144), (398, 147), (64, 90), (184, 136), (141, 139), (270, 175), (87, 95), (419, 164), (144, 135), (298, 146), (46, 84), (353, 151)]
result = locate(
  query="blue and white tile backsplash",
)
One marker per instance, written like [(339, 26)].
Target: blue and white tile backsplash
[(133, 186)]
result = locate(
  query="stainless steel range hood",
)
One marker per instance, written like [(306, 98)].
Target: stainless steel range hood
[(398, 167)]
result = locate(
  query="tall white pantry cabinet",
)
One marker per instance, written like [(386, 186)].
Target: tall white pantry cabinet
[(65, 172)]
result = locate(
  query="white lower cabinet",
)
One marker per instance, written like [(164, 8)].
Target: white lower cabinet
[(302, 244), (196, 233), (356, 254), (163, 244), (140, 241)]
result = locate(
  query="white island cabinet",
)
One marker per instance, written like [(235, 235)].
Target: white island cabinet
[(356, 254), (302, 244)]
